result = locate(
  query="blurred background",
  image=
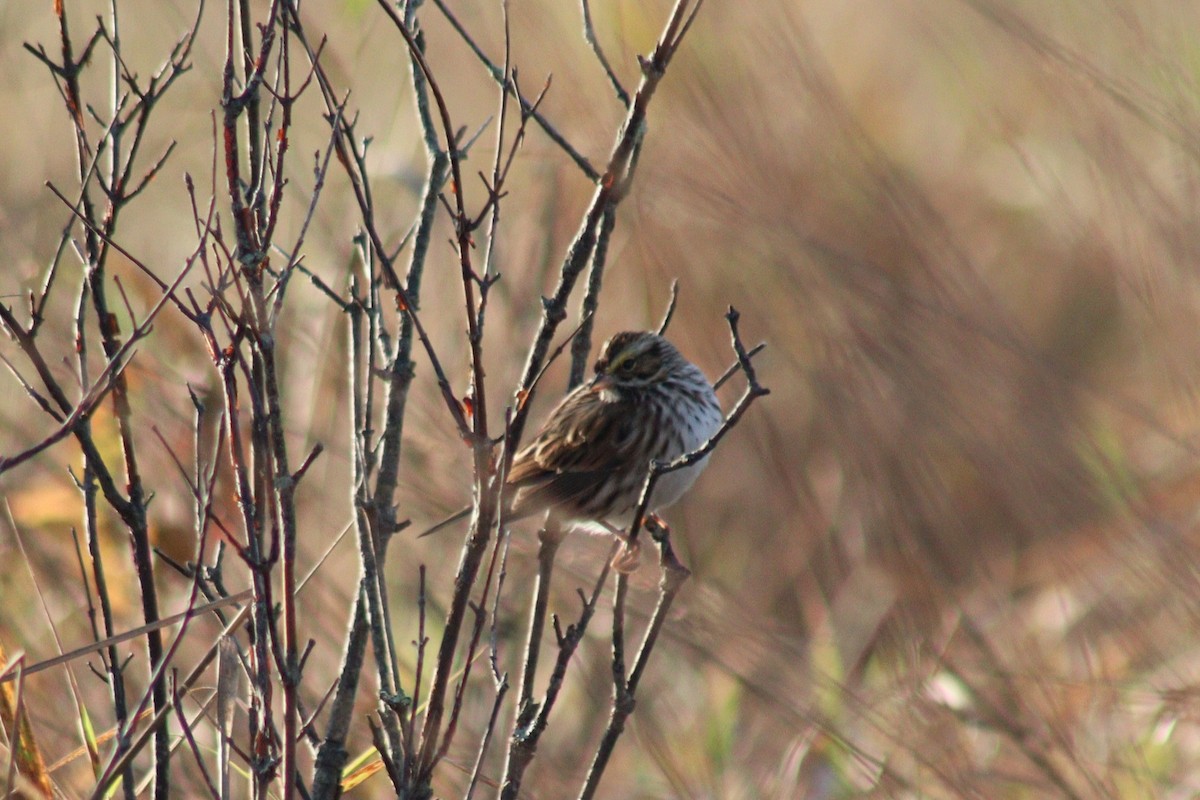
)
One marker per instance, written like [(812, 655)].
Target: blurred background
[(951, 555)]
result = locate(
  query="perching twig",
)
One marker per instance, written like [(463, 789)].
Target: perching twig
[(673, 573), (753, 391), (736, 366), (625, 690)]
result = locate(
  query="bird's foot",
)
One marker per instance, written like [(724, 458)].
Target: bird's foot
[(628, 558)]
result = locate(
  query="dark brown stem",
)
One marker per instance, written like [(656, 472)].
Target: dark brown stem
[(128, 120), (510, 86), (624, 692), (581, 346), (532, 718), (611, 187), (754, 390), (589, 34), (549, 539)]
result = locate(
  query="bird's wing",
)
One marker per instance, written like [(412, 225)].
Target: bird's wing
[(584, 440)]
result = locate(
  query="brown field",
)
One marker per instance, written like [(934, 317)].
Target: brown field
[(951, 555)]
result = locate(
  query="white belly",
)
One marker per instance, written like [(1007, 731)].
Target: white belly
[(702, 423)]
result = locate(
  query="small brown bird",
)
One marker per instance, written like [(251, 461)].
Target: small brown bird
[(587, 464)]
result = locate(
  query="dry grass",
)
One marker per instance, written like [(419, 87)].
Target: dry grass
[(952, 555)]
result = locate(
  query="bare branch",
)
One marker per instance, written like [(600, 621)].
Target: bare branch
[(134, 633), (581, 350), (532, 718), (610, 189), (670, 312), (510, 86), (589, 33), (753, 391)]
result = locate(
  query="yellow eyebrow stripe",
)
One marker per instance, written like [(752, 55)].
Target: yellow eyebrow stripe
[(620, 359)]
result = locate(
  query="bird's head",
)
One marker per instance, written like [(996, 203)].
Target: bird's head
[(635, 360)]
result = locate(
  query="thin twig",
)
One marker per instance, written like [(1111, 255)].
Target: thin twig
[(532, 719), (510, 86), (670, 312), (589, 33), (134, 633), (658, 468), (624, 691), (581, 349), (177, 704)]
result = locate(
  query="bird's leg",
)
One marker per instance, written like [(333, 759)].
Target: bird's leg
[(629, 557), (630, 554)]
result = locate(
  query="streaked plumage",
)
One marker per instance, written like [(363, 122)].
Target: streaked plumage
[(588, 462)]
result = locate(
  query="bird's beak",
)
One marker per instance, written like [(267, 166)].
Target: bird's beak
[(601, 382)]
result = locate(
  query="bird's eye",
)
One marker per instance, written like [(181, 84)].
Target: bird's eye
[(626, 368)]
